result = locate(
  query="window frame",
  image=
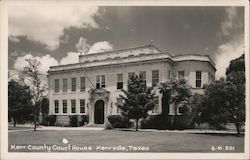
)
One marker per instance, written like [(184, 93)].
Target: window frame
[(65, 84), (65, 107), (82, 84), (155, 80), (181, 74), (155, 110), (73, 107), (119, 83), (118, 110), (100, 81), (73, 85), (131, 74), (198, 79), (143, 74), (57, 85), (84, 106), (103, 81), (56, 107)]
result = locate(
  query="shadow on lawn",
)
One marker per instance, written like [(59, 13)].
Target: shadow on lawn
[(222, 134)]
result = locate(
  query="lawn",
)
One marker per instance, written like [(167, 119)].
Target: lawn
[(103, 141)]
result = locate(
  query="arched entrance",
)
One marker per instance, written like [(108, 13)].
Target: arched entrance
[(99, 112)]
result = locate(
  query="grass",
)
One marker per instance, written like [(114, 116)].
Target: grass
[(155, 141)]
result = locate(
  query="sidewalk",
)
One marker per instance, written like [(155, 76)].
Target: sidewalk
[(57, 128)]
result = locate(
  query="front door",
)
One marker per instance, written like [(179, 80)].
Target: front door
[(99, 112)]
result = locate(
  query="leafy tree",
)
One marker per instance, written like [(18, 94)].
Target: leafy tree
[(45, 106), (36, 87), (221, 105), (236, 65), (19, 99), (196, 103), (137, 100), (236, 74), (177, 92)]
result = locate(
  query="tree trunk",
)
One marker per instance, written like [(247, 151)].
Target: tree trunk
[(238, 128), (136, 127), (174, 121), (35, 122), (14, 122)]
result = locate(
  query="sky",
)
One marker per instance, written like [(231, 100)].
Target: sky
[(56, 35)]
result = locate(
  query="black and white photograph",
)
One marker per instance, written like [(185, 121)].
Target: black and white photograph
[(129, 80)]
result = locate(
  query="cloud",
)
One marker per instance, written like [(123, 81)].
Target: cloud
[(46, 61), (45, 23), (72, 57), (100, 47), (226, 53), (227, 25), (82, 45), (232, 30)]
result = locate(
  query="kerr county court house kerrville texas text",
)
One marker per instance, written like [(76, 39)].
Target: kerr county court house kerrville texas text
[(108, 72)]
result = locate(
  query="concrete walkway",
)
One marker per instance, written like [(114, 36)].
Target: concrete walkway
[(57, 128), (70, 128)]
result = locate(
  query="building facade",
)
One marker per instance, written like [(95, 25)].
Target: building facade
[(92, 86)]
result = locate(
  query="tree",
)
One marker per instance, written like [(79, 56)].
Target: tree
[(36, 87), (219, 106), (177, 92), (44, 106), (19, 101), (224, 99), (236, 74), (137, 100)]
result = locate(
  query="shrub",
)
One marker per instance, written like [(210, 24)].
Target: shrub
[(181, 122), (49, 120), (118, 121), (84, 119), (73, 121), (155, 122)]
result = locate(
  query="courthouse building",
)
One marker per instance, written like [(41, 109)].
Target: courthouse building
[(92, 86)]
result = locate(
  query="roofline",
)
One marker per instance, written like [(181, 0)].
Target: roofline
[(146, 61), (181, 55), (149, 45), (206, 55)]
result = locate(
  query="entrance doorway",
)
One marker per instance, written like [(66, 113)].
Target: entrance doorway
[(99, 112)]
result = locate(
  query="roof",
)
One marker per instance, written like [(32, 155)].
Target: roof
[(125, 49)]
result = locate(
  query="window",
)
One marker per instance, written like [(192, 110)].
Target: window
[(155, 77), (120, 81), (118, 102), (56, 104), (64, 106), (73, 106), (100, 81), (103, 81), (82, 105), (198, 78), (181, 74), (181, 110), (169, 74), (56, 85), (73, 84), (156, 102), (82, 83), (65, 85), (131, 74), (143, 75)]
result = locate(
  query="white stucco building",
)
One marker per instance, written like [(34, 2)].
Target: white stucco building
[(92, 86)]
